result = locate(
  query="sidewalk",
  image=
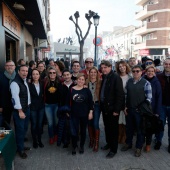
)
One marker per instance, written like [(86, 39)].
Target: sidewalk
[(57, 158)]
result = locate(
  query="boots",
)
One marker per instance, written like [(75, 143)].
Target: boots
[(122, 134), (91, 136), (40, 144), (148, 148), (96, 141)]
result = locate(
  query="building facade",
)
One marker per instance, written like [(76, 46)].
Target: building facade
[(155, 28), (23, 29)]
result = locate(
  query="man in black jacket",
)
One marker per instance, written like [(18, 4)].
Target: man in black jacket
[(112, 102)]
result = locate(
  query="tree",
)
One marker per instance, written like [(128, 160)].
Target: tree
[(78, 30)]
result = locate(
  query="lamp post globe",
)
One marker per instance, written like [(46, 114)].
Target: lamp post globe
[(96, 18)]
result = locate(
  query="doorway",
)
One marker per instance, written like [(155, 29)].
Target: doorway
[(10, 48)]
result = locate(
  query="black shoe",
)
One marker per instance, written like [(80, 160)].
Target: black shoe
[(157, 145), (110, 155), (22, 154), (106, 147), (126, 147), (81, 151), (35, 145), (40, 144), (27, 148), (74, 151)]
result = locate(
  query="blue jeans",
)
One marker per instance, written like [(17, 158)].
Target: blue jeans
[(21, 127), (133, 120), (51, 114), (96, 116), (37, 123), (165, 113)]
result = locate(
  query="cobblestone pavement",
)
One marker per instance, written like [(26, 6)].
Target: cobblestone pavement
[(57, 158)]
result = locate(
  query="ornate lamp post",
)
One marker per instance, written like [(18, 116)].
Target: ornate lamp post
[(96, 23)]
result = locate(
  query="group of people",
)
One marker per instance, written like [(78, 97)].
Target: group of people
[(72, 101)]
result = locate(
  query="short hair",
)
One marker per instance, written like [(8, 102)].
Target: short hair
[(66, 70), (60, 65), (150, 66), (88, 58), (76, 62), (8, 61), (19, 61), (106, 63), (31, 63), (166, 60), (132, 58), (137, 66), (41, 62), (81, 75), (125, 64), (24, 65)]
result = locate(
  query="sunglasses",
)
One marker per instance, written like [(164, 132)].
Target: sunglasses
[(148, 63), (89, 62), (135, 71), (52, 72)]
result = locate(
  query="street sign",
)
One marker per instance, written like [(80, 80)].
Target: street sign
[(98, 42)]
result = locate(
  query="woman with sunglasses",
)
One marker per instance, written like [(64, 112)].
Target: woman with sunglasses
[(156, 103), (81, 111), (94, 82), (51, 98), (123, 70), (36, 108)]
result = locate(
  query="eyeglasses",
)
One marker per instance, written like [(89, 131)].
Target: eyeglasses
[(89, 62), (52, 72), (148, 63), (135, 71)]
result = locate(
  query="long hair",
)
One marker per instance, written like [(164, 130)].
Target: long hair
[(123, 63), (31, 75)]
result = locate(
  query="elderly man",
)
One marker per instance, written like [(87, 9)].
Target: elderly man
[(21, 113), (89, 63), (112, 102), (5, 96), (164, 79)]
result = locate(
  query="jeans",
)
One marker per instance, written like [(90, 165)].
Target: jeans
[(133, 120), (96, 116), (51, 114), (165, 113), (76, 124), (36, 123), (21, 127)]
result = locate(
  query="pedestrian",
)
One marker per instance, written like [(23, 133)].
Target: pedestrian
[(124, 71), (6, 106), (59, 66), (94, 83), (112, 102), (36, 108), (42, 70), (156, 99), (75, 69), (21, 114), (52, 99), (138, 91), (81, 104)]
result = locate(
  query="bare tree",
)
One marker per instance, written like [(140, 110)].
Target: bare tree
[(78, 31)]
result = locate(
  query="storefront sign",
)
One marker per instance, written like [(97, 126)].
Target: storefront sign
[(10, 21), (144, 52)]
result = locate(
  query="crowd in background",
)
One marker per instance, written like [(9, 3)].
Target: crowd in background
[(71, 99)]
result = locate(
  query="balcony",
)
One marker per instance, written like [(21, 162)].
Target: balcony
[(146, 12), (146, 27), (140, 2)]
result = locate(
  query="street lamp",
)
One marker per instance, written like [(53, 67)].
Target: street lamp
[(96, 23)]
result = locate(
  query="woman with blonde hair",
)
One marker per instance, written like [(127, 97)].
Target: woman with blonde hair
[(94, 82), (123, 70)]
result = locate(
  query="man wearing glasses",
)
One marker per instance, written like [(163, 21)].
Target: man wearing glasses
[(89, 63), (6, 107), (138, 91)]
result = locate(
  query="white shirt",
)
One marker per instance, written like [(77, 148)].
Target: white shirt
[(15, 90)]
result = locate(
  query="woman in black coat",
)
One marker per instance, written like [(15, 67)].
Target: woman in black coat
[(36, 108)]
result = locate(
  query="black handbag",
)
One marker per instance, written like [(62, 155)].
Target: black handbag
[(145, 108)]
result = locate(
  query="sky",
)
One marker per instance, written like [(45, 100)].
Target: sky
[(112, 13)]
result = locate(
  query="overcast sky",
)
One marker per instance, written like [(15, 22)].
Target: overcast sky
[(112, 13)]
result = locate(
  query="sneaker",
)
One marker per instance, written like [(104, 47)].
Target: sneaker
[(157, 145), (126, 147), (138, 152)]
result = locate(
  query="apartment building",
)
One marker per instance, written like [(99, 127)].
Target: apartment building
[(154, 29), (23, 29)]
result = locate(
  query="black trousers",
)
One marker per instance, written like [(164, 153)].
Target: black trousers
[(111, 130), (7, 113)]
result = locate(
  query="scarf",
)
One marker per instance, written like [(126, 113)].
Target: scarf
[(10, 76)]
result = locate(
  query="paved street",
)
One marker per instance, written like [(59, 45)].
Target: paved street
[(57, 158)]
